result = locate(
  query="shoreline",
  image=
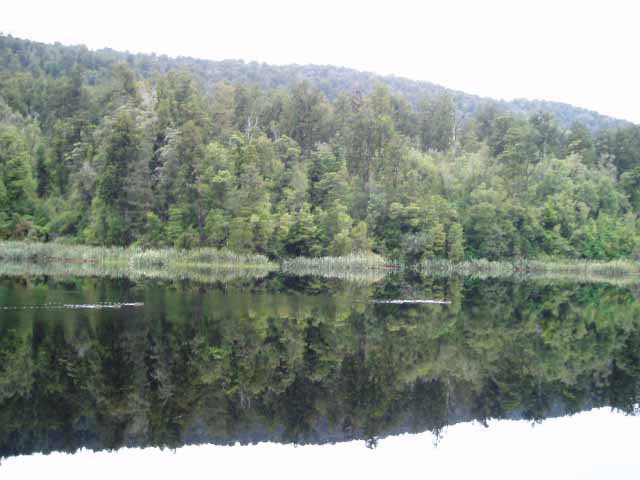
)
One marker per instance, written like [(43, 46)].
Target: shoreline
[(208, 264)]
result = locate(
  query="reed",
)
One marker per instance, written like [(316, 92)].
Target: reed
[(201, 275), (54, 252), (202, 264), (12, 251), (212, 265), (205, 264), (550, 269), (337, 266)]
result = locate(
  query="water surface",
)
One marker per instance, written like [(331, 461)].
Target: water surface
[(303, 361)]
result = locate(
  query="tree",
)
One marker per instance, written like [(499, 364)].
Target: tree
[(17, 188), (304, 116), (519, 156), (222, 109), (302, 239), (117, 215), (627, 149), (437, 123), (545, 135), (455, 243), (335, 230), (580, 141)]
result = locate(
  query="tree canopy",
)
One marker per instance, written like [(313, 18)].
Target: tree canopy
[(112, 149)]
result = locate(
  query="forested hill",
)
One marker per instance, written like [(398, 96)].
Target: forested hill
[(106, 148), (17, 55)]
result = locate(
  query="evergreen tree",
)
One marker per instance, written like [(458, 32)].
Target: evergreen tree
[(114, 209), (17, 187), (115, 150)]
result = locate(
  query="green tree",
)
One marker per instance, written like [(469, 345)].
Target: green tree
[(303, 234), (17, 188), (437, 123), (580, 141), (117, 216), (455, 243)]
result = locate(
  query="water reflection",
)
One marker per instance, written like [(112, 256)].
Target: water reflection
[(302, 360), (599, 444)]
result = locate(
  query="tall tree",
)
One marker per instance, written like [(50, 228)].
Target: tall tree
[(117, 214), (437, 123), (17, 188)]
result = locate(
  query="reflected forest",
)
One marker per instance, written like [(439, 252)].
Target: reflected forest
[(302, 360)]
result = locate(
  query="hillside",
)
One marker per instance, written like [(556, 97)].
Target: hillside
[(111, 149), (17, 55)]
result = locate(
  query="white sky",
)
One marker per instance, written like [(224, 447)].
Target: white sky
[(580, 52), (600, 444)]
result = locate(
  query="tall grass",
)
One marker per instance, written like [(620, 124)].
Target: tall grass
[(550, 269), (11, 251), (211, 265), (55, 252), (355, 266), (205, 264), (201, 275)]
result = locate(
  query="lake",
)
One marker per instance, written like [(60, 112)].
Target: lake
[(306, 369)]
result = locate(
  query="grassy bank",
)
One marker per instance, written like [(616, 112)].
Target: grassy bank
[(175, 272), (203, 264), (551, 269), (207, 264), (357, 266), (132, 256)]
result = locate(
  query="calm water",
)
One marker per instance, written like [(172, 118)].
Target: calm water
[(304, 361)]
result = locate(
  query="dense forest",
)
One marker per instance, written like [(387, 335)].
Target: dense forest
[(107, 148)]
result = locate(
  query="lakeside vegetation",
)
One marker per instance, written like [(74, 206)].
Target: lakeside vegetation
[(12, 251), (142, 155), (355, 267), (199, 274), (203, 264), (614, 271), (209, 265), (522, 266)]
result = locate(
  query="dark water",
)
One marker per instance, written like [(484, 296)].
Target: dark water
[(302, 360)]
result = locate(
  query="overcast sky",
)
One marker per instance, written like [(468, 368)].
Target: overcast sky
[(580, 52)]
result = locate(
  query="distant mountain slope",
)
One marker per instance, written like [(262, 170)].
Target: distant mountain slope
[(39, 58)]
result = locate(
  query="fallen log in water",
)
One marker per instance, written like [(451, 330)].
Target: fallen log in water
[(400, 302), (104, 305)]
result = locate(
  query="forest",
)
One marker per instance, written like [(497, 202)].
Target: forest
[(110, 149)]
